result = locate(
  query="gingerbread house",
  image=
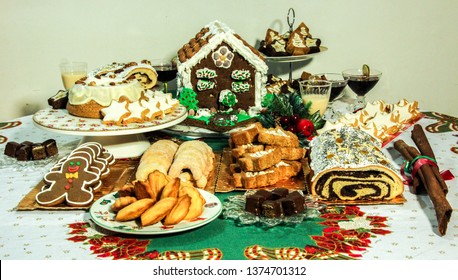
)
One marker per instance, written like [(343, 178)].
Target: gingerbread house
[(217, 61)]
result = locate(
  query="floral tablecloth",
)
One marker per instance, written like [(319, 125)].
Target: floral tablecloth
[(383, 232)]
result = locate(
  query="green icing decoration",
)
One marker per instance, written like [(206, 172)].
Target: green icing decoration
[(188, 98), (229, 99), (240, 75), (240, 87), (204, 85), (205, 73)]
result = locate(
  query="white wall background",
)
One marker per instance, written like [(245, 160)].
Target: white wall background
[(413, 42)]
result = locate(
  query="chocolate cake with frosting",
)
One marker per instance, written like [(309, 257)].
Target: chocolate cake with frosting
[(348, 164)]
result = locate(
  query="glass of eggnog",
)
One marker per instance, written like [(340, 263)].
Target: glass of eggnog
[(316, 94), (72, 72)]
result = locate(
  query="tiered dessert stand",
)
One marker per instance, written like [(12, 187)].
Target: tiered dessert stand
[(122, 141), (291, 17)]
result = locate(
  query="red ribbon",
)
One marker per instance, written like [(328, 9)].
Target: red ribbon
[(447, 175), (410, 169)]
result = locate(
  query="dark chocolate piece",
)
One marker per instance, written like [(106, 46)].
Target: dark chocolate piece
[(278, 193), (24, 152), (50, 147), (38, 151), (265, 193), (11, 148), (253, 204), (296, 194), (59, 100), (288, 206), (27, 143), (293, 203), (272, 209)]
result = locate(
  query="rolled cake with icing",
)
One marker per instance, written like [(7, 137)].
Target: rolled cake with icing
[(110, 83), (348, 165)]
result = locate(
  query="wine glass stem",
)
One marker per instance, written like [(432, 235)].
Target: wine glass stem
[(361, 99), (165, 87)]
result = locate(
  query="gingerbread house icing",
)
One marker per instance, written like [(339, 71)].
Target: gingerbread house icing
[(218, 60)]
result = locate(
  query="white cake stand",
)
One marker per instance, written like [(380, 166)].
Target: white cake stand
[(121, 141)]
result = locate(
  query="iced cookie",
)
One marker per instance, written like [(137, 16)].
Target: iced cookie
[(70, 184)]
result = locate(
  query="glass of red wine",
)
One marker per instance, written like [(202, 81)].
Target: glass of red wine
[(361, 81), (166, 71)]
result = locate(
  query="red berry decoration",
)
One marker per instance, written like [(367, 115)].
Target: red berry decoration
[(292, 128), (294, 119), (305, 127), (284, 120)]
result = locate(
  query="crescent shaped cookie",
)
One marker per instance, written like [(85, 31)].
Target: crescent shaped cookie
[(195, 156), (159, 156)]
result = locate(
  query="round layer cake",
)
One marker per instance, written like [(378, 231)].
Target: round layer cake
[(113, 82)]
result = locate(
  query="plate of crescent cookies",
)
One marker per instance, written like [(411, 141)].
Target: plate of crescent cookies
[(103, 215), (167, 195)]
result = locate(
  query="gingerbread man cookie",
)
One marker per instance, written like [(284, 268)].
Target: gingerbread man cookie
[(70, 184)]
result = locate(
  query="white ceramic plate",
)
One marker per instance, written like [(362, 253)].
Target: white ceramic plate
[(102, 215), (294, 58), (61, 121)]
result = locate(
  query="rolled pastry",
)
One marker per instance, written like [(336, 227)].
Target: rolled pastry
[(143, 73), (195, 156), (348, 164), (159, 156)]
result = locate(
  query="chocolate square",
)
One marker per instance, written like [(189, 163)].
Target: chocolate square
[(293, 203), (272, 209), (50, 147), (11, 148), (265, 193), (278, 193), (253, 204), (27, 143), (24, 153), (38, 151)]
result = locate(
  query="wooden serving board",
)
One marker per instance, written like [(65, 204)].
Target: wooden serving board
[(223, 183), (120, 173)]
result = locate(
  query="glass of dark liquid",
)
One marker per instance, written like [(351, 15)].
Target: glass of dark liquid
[(361, 81), (338, 83), (166, 71)]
